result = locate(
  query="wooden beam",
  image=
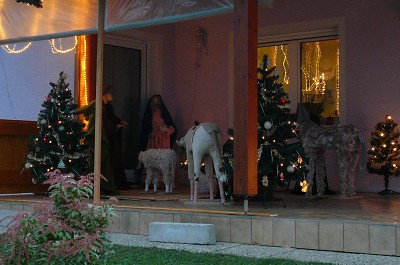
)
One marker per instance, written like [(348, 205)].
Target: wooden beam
[(14, 143), (15, 127), (245, 97), (99, 101)]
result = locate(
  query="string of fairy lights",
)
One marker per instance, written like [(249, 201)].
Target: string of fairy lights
[(55, 46), (13, 49), (59, 48), (83, 88), (285, 64)]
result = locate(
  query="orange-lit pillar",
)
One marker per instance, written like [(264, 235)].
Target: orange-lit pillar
[(245, 97)]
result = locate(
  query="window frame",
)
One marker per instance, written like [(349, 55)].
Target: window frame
[(293, 42)]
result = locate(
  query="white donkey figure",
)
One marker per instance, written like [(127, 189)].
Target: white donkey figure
[(202, 141)]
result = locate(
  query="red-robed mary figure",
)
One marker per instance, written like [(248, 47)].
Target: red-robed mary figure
[(158, 128)]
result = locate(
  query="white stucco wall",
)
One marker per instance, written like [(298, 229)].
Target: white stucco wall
[(25, 77)]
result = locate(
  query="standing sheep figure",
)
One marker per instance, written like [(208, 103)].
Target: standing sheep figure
[(157, 161)]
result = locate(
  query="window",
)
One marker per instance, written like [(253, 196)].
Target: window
[(278, 54), (320, 75), (309, 71), (22, 91)]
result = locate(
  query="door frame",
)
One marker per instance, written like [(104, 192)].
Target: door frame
[(138, 45), (142, 47)]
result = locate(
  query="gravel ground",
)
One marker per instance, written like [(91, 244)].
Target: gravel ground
[(261, 251)]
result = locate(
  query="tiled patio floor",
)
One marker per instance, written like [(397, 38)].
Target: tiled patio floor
[(366, 207), (365, 223)]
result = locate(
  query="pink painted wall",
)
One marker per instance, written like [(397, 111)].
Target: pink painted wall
[(203, 90), (372, 75)]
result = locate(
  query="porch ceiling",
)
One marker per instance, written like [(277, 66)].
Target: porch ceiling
[(20, 22)]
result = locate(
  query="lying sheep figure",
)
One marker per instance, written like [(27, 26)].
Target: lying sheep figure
[(157, 161)]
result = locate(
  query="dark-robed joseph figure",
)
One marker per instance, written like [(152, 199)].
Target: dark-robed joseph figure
[(112, 167)]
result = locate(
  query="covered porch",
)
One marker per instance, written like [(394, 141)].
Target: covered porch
[(366, 223)]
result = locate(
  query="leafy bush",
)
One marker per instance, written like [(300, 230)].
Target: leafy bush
[(62, 230)]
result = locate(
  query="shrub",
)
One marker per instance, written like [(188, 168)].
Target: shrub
[(61, 230)]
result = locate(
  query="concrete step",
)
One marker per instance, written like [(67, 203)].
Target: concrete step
[(186, 233)]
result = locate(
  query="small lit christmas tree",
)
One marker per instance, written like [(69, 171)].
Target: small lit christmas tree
[(384, 155), (280, 153), (58, 143)]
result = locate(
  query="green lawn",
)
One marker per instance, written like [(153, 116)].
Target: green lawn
[(157, 256)]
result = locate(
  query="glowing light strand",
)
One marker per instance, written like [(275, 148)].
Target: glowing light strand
[(315, 82), (337, 82), (306, 68), (274, 58), (285, 64), (83, 62), (13, 50), (55, 49)]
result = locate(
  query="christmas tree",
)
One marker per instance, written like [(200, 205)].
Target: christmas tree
[(384, 155), (58, 143), (281, 157), (280, 154)]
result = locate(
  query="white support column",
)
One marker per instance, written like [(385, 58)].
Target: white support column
[(99, 91)]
